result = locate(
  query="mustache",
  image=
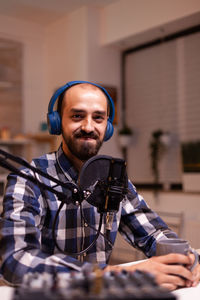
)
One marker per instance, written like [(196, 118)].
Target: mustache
[(83, 134)]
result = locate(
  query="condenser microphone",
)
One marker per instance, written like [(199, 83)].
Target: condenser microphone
[(104, 182)]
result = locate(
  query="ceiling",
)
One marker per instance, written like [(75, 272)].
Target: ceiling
[(45, 11), (159, 32)]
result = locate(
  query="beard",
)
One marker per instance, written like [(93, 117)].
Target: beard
[(83, 149)]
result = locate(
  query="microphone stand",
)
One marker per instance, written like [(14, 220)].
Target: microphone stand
[(73, 193)]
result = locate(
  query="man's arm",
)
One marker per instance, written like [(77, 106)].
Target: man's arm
[(22, 249), (142, 228)]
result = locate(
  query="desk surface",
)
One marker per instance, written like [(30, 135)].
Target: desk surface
[(6, 292), (192, 293)]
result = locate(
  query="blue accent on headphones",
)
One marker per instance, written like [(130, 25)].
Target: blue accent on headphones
[(53, 117)]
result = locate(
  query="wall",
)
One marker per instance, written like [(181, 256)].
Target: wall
[(10, 87), (56, 54), (104, 68), (130, 18), (32, 38), (140, 22), (63, 51), (66, 50), (77, 47), (169, 102), (80, 56)]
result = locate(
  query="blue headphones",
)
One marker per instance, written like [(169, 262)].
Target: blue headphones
[(53, 117)]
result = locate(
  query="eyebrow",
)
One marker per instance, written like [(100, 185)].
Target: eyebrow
[(99, 112)]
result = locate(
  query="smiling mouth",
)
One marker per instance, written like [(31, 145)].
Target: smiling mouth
[(87, 138)]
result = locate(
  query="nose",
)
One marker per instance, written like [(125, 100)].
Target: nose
[(87, 125)]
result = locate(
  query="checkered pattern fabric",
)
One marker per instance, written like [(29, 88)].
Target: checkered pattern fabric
[(26, 222)]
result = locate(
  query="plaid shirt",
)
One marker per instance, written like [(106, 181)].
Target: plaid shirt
[(28, 213)]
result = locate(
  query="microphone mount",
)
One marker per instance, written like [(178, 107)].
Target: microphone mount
[(102, 182)]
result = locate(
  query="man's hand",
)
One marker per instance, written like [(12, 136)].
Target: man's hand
[(171, 271), (195, 272)]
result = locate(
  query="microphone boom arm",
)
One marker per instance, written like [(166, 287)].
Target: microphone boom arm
[(104, 189), (70, 187)]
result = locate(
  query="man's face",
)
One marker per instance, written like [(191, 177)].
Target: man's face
[(84, 121)]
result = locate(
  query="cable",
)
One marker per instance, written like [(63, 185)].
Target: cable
[(74, 194), (73, 253), (92, 227)]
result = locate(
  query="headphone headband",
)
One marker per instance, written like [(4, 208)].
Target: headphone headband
[(53, 118)]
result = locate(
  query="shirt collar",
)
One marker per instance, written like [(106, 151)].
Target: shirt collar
[(66, 166)]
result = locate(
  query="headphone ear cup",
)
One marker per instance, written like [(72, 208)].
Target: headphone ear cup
[(54, 123), (109, 131)]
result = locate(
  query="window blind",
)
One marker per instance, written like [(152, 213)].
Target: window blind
[(162, 87)]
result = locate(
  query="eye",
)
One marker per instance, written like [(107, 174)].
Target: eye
[(77, 117), (99, 118)]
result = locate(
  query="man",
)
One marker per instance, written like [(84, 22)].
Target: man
[(27, 245)]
